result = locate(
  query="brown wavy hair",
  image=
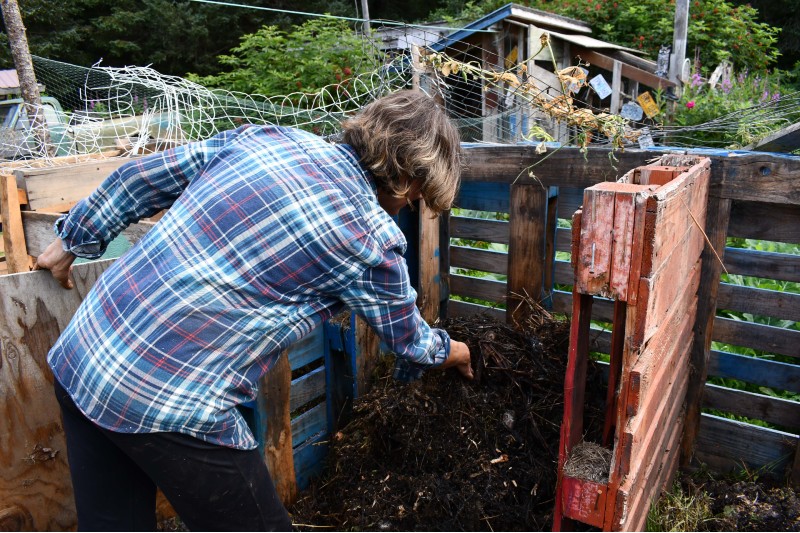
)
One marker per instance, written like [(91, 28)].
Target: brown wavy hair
[(408, 135)]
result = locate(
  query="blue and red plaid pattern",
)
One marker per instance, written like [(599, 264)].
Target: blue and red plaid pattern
[(269, 232)]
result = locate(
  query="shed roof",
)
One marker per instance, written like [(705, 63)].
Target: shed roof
[(541, 19), (9, 79)]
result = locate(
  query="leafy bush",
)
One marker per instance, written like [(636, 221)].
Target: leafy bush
[(313, 55)]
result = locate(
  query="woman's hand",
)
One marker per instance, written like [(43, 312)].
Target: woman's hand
[(58, 262), (459, 358)]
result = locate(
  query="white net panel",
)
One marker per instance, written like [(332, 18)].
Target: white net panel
[(118, 112)]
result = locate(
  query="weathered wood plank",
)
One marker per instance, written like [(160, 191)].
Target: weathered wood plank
[(638, 493), (727, 445), (478, 229), (717, 216), (34, 479), (483, 196), (563, 240), (768, 265), (565, 167), (477, 259), (773, 374), (526, 248), (459, 308), (482, 289), (57, 189), (310, 459), (602, 308), (629, 71), (622, 244), (784, 140), (14, 247), (765, 221), (757, 336), (763, 302), (596, 234), (759, 177), (307, 388), (662, 409), (675, 208), (274, 400), (570, 199), (777, 411), (661, 291), (311, 423), (307, 350), (662, 352), (429, 283)]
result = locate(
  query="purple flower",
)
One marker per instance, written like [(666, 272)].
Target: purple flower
[(764, 97), (726, 85), (776, 96), (697, 80)]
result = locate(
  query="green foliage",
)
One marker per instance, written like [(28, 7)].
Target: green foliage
[(717, 28), (701, 104), (272, 61)]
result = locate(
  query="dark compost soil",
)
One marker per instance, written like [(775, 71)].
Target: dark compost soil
[(444, 454), (762, 504)]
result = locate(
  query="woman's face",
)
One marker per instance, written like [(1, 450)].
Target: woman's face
[(392, 205)]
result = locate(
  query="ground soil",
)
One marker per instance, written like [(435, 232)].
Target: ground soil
[(443, 454), (760, 504)]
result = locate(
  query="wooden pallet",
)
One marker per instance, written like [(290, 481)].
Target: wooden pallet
[(637, 241)]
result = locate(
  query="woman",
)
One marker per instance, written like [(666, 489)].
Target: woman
[(269, 232)]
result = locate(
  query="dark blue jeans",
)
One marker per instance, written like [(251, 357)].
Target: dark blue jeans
[(212, 488)]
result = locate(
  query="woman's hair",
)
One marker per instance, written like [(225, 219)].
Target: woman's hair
[(408, 135)]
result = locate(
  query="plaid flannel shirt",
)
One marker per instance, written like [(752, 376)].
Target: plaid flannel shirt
[(269, 232)]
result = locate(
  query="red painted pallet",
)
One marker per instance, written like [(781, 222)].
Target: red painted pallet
[(637, 241)]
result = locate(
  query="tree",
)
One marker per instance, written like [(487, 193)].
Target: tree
[(306, 58), (24, 66), (718, 29)]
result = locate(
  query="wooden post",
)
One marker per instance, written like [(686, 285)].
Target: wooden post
[(428, 293), (444, 264), (13, 235), (275, 401), (525, 248), (616, 87), (717, 217), (679, 37)]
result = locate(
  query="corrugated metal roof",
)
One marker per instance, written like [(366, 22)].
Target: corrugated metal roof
[(9, 79), (519, 13)]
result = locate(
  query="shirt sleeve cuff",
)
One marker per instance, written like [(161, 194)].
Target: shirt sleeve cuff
[(87, 250), (408, 371)]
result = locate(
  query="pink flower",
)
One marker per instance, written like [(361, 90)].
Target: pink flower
[(690, 104)]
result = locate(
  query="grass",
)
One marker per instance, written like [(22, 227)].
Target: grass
[(678, 510)]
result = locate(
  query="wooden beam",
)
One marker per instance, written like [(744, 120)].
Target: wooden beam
[(429, 286), (717, 217), (628, 71), (275, 400), (17, 259), (784, 140), (526, 249)]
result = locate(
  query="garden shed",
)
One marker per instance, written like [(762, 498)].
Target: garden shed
[(510, 37)]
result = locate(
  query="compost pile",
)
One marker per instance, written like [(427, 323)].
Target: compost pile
[(444, 454)]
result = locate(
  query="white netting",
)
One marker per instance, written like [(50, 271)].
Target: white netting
[(522, 97)]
